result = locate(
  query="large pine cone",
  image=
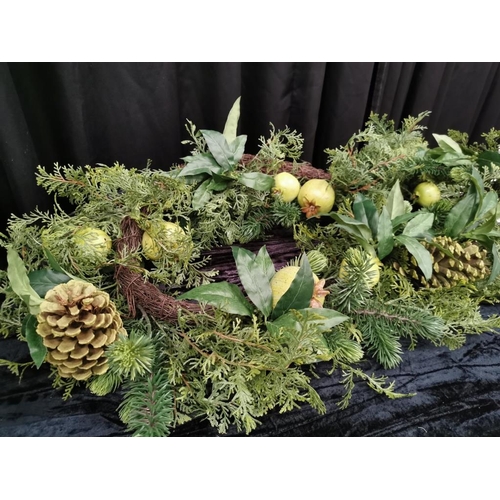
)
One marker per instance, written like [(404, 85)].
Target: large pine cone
[(468, 264), (77, 321)]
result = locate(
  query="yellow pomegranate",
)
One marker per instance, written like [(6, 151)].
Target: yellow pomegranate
[(160, 237), (316, 197), (287, 185), (92, 245)]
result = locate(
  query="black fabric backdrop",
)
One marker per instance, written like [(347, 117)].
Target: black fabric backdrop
[(88, 113)]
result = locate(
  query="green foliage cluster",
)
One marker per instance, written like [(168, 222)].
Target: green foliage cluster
[(376, 157), (243, 354), (381, 219), (233, 372)]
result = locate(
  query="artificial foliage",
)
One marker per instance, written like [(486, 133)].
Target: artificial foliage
[(199, 292)]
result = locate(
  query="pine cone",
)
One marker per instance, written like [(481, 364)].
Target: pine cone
[(77, 321), (467, 265)]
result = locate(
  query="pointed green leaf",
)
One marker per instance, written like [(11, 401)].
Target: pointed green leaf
[(401, 219), (288, 321), (20, 283), (490, 202), (485, 228), (52, 261), (254, 279), (44, 280), (238, 147), (202, 195), (299, 295), (495, 268), (478, 181), (219, 182), (395, 202), (54, 265), (220, 149), (365, 211), (202, 163), (419, 225), (330, 317), (35, 342), (231, 126), (421, 254), (256, 180), (352, 226), (385, 235), (447, 144), (486, 158), (263, 261), (223, 295), (460, 215)]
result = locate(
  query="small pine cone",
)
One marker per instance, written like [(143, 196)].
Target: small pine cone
[(77, 321), (459, 263)]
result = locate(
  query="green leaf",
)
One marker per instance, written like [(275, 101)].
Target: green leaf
[(495, 268), (254, 279), (366, 212), (35, 342), (419, 225), (55, 265), (219, 182), (219, 148), (202, 195), (238, 147), (330, 319), (460, 215), (401, 219), (265, 263), (44, 280), (223, 295), (490, 202), (485, 228), (385, 235), (288, 321), (353, 226), (53, 262), (20, 283), (477, 179), (395, 203), (256, 180), (447, 144), (421, 254), (231, 126), (486, 158), (299, 295), (202, 163)]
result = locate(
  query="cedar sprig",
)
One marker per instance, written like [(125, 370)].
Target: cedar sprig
[(282, 144), (377, 383), (233, 372), (377, 156)]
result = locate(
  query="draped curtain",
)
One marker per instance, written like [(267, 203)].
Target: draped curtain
[(88, 113)]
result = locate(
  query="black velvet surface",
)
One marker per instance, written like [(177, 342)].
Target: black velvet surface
[(457, 394)]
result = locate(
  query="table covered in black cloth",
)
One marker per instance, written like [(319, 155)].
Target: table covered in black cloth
[(458, 394)]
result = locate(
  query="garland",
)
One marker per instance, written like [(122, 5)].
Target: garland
[(211, 290)]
